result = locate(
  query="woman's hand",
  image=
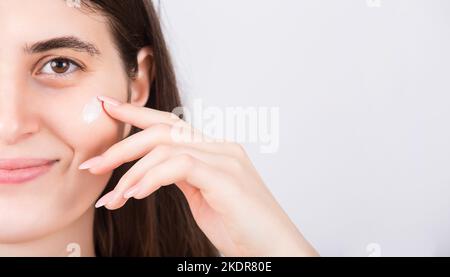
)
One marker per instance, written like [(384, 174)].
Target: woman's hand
[(227, 197)]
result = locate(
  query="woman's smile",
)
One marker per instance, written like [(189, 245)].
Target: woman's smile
[(21, 170)]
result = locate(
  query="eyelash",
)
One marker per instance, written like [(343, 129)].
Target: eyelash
[(62, 75)]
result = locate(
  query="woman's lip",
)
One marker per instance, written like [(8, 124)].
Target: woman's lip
[(22, 163), (23, 170)]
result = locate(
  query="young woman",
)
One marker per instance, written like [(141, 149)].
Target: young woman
[(88, 155)]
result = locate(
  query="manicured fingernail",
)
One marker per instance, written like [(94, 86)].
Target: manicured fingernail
[(109, 100), (132, 192), (91, 162), (104, 200)]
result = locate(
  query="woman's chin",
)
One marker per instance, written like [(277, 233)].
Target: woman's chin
[(14, 231), (26, 223)]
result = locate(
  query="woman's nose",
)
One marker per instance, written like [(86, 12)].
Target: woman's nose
[(17, 119)]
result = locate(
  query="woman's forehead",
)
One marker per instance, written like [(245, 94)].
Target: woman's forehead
[(25, 22)]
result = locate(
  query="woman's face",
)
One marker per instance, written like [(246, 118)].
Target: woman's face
[(48, 110)]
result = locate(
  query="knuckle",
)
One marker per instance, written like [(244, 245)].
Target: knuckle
[(186, 160), (161, 150), (237, 149), (174, 117), (159, 127), (236, 164)]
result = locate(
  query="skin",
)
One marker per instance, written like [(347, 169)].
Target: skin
[(227, 197)]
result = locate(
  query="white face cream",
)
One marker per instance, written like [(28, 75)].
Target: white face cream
[(92, 110)]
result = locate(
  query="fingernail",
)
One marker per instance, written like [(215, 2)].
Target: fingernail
[(91, 162), (132, 192), (109, 100), (104, 200)]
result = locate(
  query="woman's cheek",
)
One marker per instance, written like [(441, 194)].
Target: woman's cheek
[(83, 125), (87, 131)]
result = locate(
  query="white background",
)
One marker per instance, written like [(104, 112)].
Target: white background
[(364, 95)]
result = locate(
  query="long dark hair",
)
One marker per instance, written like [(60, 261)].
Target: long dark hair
[(161, 224)]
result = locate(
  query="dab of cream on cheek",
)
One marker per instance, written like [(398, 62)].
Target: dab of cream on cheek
[(92, 110)]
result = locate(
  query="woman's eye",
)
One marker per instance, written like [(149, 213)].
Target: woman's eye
[(59, 66)]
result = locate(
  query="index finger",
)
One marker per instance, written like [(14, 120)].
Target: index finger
[(141, 117)]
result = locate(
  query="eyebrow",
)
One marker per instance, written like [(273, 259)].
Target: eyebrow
[(69, 42)]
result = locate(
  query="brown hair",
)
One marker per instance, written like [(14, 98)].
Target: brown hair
[(161, 224)]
